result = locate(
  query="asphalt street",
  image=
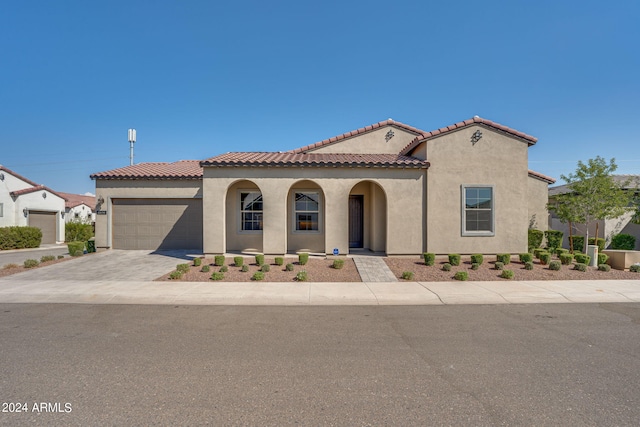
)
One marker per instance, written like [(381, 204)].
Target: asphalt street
[(534, 364)]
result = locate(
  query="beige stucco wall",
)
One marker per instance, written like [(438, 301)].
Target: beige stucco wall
[(496, 159), (538, 196), (133, 189), (371, 142)]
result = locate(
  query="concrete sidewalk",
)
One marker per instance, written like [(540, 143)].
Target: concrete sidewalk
[(25, 290)]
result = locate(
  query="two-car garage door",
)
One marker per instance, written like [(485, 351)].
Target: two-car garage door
[(157, 224)]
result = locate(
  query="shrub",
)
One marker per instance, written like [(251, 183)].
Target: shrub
[(279, 260), (477, 259), (197, 262), (301, 276), (238, 261), (259, 259), (499, 265), (554, 239), (223, 269), (566, 258), (580, 266), (20, 237), (475, 266), (560, 251), (578, 243), (534, 239), (258, 275), (582, 258), (265, 268), (461, 275), (60, 256), (625, 242), (604, 267), (338, 264), (407, 275), (244, 268), (75, 248), (205, 269), (525, 257), (429, 258), (289, 267), (218, 260), (217, 275), (600, 242), (30, 263), (8, 266), (77, 231), (454, 259), (506, 274), (46, 258), (545, 257), (303, 258), (602, 258), (538, 251), (183, 268), (446, 266), (175, 275), (635, 268), (504, 258), (555, 265), (528, 265)]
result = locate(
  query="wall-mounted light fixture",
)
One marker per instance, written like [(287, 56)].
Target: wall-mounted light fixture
[(1, 177), (477, 136), (61, 214), (100, 200), (25, 211), (44, 195)]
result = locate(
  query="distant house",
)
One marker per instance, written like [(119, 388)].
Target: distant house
[(79, 208), (23, 202), (389, 188)]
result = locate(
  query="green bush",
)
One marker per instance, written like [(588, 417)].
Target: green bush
[(635, 268), (205, 269), (289, 267), (223, 269), (604, 267), (244, 268), (218, 260), (183, 268), (525, 257), (566, 258), (554, 239), (217, 275), (499, 265), (506, 274), (259, 259), (60, 256), (560, 251), (582, 258), (580, 266), (279, 260), (265, 268), (600, 242), (46, 258), (303, 258), (20, 237), (238, 261), (258, 275), (30, 263), (625, 242), (429, 258), (477, 259), (407, 275), (504, 258), (175, 275), (475, 266), (76, 231), (197, 262), (446, 266), (528, 265), (578, 243), (338, 264), (555, 265), (454, 259), (545, 258), (75, 248), (534, 238), (538, 251), (461, 275), (301, 276), (602, 258)]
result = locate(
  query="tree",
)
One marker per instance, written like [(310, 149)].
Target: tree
[(593, 195)]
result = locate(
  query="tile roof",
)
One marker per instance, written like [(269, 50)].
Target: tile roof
[(183, 169), (30, 190), (73, 200), (541, 177), (285, 159), (475, 120), (28, 181)]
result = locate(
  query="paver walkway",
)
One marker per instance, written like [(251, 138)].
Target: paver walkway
[(373, 269)]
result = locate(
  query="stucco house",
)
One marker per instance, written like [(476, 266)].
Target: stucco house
[(23, 202), (388, 187), (79, 208)]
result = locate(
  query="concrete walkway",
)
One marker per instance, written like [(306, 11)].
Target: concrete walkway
[(373, 269)]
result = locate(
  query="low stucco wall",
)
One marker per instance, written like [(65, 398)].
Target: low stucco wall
[(622, 260)]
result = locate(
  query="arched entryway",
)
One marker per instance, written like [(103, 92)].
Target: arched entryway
[(367, 217), (244, 217), (305, 218)]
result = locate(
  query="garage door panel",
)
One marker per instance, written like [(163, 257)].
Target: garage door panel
[(46, 222)]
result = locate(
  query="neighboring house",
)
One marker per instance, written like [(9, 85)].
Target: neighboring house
[(606, 228), (23, 202), (388, 188), (79, 208)]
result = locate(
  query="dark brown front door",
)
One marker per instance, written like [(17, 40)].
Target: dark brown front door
[(356, 221)]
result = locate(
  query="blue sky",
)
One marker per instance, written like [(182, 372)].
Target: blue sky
[(200, 78)]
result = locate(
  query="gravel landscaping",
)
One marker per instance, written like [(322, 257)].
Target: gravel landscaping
[(9, 269)]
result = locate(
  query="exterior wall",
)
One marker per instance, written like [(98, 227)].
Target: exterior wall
[(10, 214), (35, 202), (496, 159), (538, 194), (133, 189), (371, 142), (83, 213)]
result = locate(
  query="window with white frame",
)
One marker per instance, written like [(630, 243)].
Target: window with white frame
[(250, 211), (307, 211), (477, 210)]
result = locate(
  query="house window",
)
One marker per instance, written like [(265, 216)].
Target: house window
[(1, 210), (307, 211), (477, 211), (250, 211)]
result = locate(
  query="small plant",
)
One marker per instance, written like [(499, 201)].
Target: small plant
[(499, 265), (407, 275), (454, 259), (197, 262), (528, 265), (223, 269), (30, 263), (580, 266), (76, 248), (46, 258), (635, 268), (279, 260), (259, 259), (289, 267), (582, 258), (475, 266), (503, 258), (265, 268), (544, 257), (9, 266), (566, 258), (60, 256), (446, 266), (602, 258), (217, 275), (303, 258), (604, 267), (555, 265), (301, 276), (477, 259), (429, 258), (506, 274), (461, 275), (244, 268), (238, 261), (538, 251), (560, 251), (258, 275), (218, 260), (525, 257), (183, 268), (175, 275), (338, 264), (205, 268)]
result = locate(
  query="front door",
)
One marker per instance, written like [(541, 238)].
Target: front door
[(356, 221)]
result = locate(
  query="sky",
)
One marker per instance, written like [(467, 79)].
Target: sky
[(201, 78)]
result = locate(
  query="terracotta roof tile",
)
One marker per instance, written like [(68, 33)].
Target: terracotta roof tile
[(73, 200), (33, 190), (183, 169), (28, 181), (541, 177)]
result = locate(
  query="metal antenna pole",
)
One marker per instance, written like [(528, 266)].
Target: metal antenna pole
[(132, 140)]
